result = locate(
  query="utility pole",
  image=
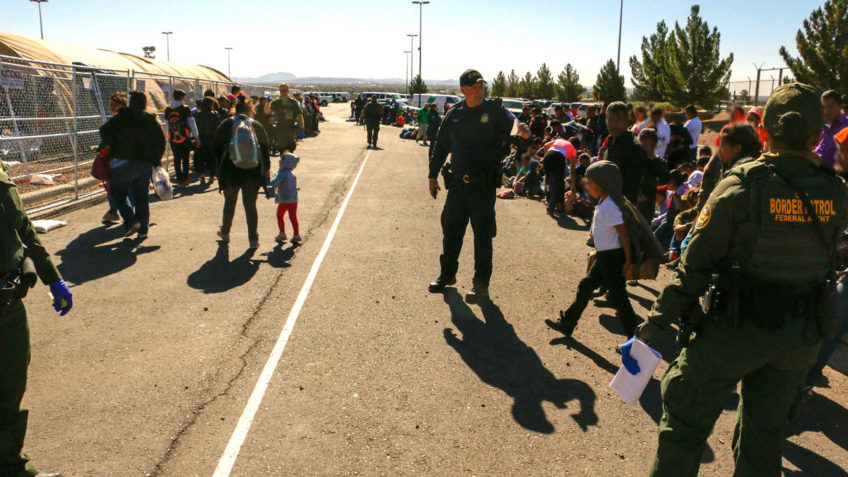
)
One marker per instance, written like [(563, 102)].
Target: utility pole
[(411, 63), (228, 48), (760, 70), (420, 25), (620, 19), (40, 23), (406, 64), (168, 43)]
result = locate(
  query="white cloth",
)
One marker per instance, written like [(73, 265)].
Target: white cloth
[(695, 179), (694, 127), (663, 138), (607, 216)]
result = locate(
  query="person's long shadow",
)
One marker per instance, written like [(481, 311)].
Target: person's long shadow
[(219, 274), (497, 355), (567, 222), (817, 414), (96, 254)]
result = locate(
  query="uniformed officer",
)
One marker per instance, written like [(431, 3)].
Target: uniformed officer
[(289, 118), (474, 133), (767, 262), (22, 261), (371, 115)]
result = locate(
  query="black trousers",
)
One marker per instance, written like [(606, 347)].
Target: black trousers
[(181, 151), (14, 359), (464, 203), (606, 272), (373, 130)]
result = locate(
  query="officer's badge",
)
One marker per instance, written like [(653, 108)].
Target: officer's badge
[(704, 217), (484, 118)]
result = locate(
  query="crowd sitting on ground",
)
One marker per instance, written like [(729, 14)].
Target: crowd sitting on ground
[(232, 139)]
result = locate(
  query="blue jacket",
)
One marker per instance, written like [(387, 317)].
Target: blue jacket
[(285, 183)]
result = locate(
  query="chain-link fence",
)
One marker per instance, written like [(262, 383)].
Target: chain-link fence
[(50, 115)]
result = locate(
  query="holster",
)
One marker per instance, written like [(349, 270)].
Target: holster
[(16, 285), (447, 175), (825, 309)]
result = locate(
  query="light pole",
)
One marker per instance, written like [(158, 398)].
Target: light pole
[(228, 48), (40, 24), (620, 18), (411, 63), (420, 24), (168, 43), (406, 63)]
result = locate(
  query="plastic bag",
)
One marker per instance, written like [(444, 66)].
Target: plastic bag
[(162, 184), (46, 225)]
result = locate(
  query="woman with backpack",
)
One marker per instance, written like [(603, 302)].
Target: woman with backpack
[(241, 143), (136, 144)]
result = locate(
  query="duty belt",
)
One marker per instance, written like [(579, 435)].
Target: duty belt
[(476, 178)]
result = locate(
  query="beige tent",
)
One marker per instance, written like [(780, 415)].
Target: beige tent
[(149, 74)]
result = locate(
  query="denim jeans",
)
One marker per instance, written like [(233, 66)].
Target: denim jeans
[(113, 206), (131, 179)]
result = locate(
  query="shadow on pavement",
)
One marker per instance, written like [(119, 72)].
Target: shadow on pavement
[(817, 414), (497, 355), (91, 255), (568, 222), (219, 274)]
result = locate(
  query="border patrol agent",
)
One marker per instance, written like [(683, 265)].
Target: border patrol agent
[(475, 133), (763, 249), (22, 261)]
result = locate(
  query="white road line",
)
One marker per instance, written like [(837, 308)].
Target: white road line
[(228, 459)]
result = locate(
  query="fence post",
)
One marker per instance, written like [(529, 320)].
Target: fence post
[(757, 93), (21, 145), (74, 137)]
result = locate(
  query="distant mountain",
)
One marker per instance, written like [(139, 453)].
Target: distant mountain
[(290, 78)]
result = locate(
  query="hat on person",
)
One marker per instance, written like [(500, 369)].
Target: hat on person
[(794, 97), (607, 175), (470, 78)]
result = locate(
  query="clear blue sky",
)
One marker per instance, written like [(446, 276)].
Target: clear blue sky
[(367, 38)]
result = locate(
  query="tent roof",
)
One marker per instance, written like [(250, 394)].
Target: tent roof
[(58, 52)]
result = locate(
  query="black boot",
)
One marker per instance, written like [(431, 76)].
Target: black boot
[(439, 285), (564, 325), (479, 293)]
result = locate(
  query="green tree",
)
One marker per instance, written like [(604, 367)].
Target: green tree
[(569, 88), (417, 85), (647, 75), (698, 74), (499, 85), (609, 86), (684, 66), (544, 82), (528, 86), (512, 82), (823, 46), (744, 97)]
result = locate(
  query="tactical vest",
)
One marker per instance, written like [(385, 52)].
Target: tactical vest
[(787, 249)]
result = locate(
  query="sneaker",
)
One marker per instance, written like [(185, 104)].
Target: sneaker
[(253, 245), (368, 147), (111, 217), (132, 230), (296, 239), (441, 283), (224, 237), (281, 238)]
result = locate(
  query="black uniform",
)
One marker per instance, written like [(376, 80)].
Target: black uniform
[(476, 139), (371, 115)]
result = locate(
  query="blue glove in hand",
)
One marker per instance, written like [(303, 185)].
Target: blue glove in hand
[(62, 298), (629, 363)]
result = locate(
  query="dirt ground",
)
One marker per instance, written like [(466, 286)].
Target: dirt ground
[(152, 370)]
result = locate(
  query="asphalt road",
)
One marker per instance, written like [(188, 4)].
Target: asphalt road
[(153, 368)]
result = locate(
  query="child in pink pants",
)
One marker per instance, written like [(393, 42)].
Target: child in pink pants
[(285, 192)]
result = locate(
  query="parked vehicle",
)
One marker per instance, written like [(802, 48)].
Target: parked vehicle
[(393, 96), (439, 99), (341, 96), (514, 105)]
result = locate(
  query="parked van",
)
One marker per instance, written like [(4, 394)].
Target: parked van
[(439, 99), (392, 96), (341, 96)]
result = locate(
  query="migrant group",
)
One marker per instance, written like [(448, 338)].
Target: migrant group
[(231, 138)]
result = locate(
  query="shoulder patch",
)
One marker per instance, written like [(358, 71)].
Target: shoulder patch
[(704, 217)]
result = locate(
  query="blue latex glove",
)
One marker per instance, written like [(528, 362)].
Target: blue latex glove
[(62, 298), (629, 363)]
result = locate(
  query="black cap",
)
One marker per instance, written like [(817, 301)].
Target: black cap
[(470, 78)]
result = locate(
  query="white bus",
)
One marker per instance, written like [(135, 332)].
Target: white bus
[(439, 99)]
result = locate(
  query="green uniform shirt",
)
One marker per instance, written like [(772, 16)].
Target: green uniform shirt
[(287, 111), (769, 235), (18, 238)]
